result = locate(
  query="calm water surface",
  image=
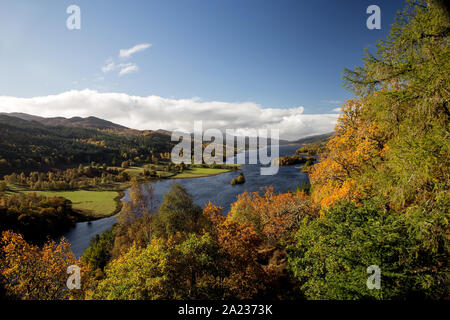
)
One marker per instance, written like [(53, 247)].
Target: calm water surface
[(216, 189)]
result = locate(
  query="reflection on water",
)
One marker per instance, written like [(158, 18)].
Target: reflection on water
[(216, 189)]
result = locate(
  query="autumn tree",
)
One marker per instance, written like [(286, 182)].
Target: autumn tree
[(222, 261), (3, 186), (178, 213), (99, 252), (409, 78), (383, 180), (253, 267), (34, 216), (358, 145), (165, 269), (274, 216), (332, 254), (135, 218), (30, 273)]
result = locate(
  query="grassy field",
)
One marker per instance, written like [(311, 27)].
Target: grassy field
[(136, 171), (199, 172), (188, 173), (103, 203), (94, 204)]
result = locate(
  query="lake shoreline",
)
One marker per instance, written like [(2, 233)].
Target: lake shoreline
[(121, 195), (214, 188)]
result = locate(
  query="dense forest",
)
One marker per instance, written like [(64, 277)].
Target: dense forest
[(36, 217), (69, 179), (379, 196), (297, 159), (313, 148), (30, 145)]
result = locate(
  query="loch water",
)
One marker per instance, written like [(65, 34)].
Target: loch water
[(216, 189)]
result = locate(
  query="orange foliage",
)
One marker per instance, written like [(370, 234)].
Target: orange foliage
[(30, 273), (213, 213), (254, 267), (274, 216), (244, 278), (358, 143)]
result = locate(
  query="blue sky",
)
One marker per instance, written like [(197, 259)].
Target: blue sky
[(276, 54)]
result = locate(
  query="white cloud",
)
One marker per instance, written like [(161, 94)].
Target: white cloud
[(154, 112), (125, 68), (126, 53), (109, 65), (337, 109), (128, 69)]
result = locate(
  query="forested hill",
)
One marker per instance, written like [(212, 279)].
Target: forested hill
[(30, 145), (88, 123), (314, 139), (30, 142)]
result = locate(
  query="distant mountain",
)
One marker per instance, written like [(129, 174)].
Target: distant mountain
[(164, 131), (313, 139), (23, 116), (27, 145), (89, 122), (29, 142), (101, 124)]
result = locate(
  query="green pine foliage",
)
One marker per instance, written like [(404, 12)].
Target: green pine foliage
[(332, 254)]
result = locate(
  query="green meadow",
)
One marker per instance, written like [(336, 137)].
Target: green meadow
[(200, 172), (194, 172), (103, 203), (96, 204), (93, 204)]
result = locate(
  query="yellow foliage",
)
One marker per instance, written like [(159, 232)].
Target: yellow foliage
[(30, 273), (358, 143)]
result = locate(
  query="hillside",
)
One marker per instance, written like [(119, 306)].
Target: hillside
[(30, 145), (313, 139), (89, 122), (30, 142)]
